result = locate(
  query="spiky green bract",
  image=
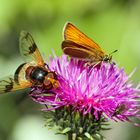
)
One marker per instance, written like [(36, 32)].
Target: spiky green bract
[(76, 125)]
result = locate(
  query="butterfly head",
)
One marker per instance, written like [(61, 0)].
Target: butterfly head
[(108, 58)]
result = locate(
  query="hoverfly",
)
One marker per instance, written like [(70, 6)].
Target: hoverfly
[(34, 72), (77, 44)]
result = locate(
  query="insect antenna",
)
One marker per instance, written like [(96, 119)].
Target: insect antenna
[(113, 52), (110, 57)]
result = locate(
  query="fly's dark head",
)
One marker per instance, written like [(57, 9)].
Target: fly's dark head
[(36, 75), (51, 80)]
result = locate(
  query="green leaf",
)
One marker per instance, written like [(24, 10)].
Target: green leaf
[(88, 136), (65, 130)]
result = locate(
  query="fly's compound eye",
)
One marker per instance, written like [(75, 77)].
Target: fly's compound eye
[(38, 74)]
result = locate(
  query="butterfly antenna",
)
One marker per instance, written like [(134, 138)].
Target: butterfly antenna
[(113, 52)]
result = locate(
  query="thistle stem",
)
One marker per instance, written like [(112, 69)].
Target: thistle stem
[(70, 136)]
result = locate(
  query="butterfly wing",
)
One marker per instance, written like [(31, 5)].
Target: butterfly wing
[(81, 52), (73, 34), (29, 50)]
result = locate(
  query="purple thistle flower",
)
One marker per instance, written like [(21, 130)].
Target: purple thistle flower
[(103, 91)]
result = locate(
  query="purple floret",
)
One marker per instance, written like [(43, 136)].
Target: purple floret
[(103, 91)]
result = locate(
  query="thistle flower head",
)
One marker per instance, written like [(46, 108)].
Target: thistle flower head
[(103, 91)]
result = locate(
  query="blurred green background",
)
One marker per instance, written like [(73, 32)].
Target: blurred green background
[(113, 24)]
